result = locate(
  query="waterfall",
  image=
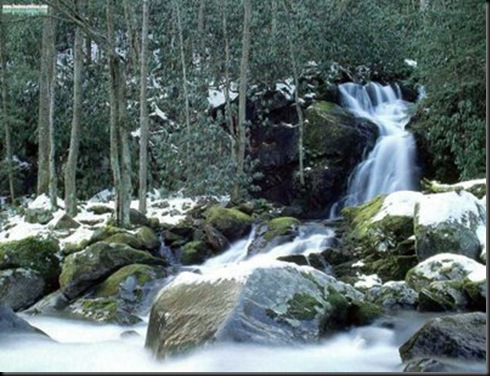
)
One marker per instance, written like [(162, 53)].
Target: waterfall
[(390, 166)]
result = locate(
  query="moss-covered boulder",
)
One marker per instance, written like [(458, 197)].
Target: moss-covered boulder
[(149, 240), (475, 288), (105, 310), (442, 267), (34, 253), (275, 304), (443, 296), (38, 215), (275, 232), (452, 222), (84, 269), (125, 238), (20, 288), (380, 233), (137, 218), (460, 336), (232, 223), (195, 252), (122, 297)]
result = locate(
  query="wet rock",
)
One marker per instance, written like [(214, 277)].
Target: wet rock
[(393, 295), (232, 223), (461, 336), (11, 326), (20, 288)]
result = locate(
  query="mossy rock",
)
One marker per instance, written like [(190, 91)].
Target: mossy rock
[(105, 232), (442, 296), (137, 218), (106, 310), (280, 226), (391, 267), (38, 254), (195, 252), (138, 274), (476, 293), (125, 238), (85, 269), (232, 223), (148, 238)]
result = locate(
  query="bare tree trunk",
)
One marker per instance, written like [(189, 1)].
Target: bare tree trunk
[(228, 109), (144, 120), (242, 100), (184, 70), (200, 29), (71, 164), (299, 112), (131, 23), (53, 194), (44, 106), (118, 134), (6, 124)]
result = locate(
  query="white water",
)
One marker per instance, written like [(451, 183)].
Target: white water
[(390, 166)]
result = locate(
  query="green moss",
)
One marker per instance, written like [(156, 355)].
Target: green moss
[(194, 253), (125, 238), (302, 307), (33, 253), (105, 310), (111, 286), (364, 313), (149, 240), (232, 223), (280, 226), (105, 232), (360, 217), (391, 267)]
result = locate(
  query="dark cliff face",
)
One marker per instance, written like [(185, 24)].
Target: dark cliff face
[(334, 143)]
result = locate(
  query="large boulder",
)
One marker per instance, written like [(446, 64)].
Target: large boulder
[(275, 304), (453, 222), (84, 269), (122, 297), (232, 223), (442, 267), (393, 295), (33, 253), (19, 288), (460, 336), (380, 232), (11, 326), (275, 232)]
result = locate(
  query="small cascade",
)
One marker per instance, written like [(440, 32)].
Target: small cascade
[(390, 166), (166, 253), (311, 238)]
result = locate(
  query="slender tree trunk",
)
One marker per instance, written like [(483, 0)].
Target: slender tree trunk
[(228, 109), (184, 70), (131, 23), (71, 164), (6, 124), (53, 191), (200, 29), (299, 112), (118, 134), (144, 120), (242, 101), (44, 106)]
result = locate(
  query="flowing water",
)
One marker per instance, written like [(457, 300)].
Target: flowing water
[(390, 166)]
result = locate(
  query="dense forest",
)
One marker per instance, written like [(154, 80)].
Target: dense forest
[(165, 94), (243, 186)]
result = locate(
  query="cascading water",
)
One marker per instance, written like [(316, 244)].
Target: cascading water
[(390, 166)]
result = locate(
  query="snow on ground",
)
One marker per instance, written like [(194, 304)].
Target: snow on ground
[(169, 211)]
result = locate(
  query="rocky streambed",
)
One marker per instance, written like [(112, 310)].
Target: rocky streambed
[(400, 281)]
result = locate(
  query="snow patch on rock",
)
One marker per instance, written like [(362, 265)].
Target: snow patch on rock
[(401, 203)]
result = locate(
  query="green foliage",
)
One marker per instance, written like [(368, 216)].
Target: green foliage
[(450, 49)]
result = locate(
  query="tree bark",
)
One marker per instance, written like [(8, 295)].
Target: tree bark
[(144, 120), (119, 148), (5, 118), (71, 164), (44, 106), (228, 109), (53, 191), (184, 70), (242, 100)]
